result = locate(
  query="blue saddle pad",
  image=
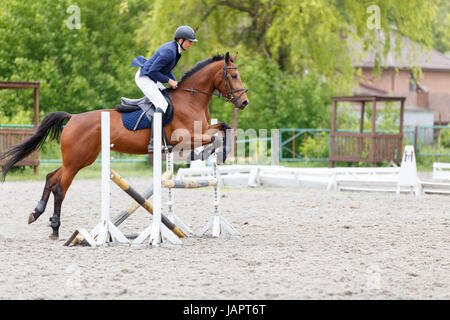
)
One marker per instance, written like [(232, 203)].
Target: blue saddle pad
[(129, 120)]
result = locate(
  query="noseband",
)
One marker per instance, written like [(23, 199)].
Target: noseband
[(229, 96)]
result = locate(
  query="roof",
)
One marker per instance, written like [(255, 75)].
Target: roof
[(368, 90), (369, 98), (411, 54)]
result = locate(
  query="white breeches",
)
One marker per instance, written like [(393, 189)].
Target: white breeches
[(151, 90)]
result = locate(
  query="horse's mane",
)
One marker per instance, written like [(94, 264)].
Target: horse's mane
[(198, 66)]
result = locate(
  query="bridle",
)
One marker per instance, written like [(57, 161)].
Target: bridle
[(229, 96)]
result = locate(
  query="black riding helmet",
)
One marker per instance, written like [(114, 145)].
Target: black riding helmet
[(185, 32)]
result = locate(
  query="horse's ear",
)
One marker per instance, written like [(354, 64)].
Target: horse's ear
[(227, 57), (235, 57)]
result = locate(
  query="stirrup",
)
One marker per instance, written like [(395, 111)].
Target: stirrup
[(150, 146), (166, 147)]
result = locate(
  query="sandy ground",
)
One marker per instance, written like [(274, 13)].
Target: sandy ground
[(295, 244)]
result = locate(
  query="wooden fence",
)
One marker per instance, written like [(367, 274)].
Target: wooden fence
[(10, 137)]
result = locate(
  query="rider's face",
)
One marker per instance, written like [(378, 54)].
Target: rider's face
[(186, 44)]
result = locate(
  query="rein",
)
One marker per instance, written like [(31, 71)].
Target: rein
[(228, 87)]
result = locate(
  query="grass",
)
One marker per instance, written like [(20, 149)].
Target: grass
[(144, 169), (126, 170)]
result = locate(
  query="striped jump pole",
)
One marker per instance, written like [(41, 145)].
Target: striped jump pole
[(125, 186), (189, 184)]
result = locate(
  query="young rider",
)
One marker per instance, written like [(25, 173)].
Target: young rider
[(158, 69)]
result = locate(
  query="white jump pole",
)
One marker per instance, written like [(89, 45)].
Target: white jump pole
[(102, 237), (210, 160), (155, 236), (107, 231), (157, 232)]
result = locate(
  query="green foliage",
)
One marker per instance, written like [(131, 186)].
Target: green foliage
[(293, 56), (347, 117), (315, 147), (79, 69), (441, 26), (277, 98), (445, 138), (301, 36), (21, 116), (387, 119)]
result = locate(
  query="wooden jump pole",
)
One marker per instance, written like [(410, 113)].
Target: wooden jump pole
[(140, 201), (136, 205), (121, 217), (189, 184), (125, 186)]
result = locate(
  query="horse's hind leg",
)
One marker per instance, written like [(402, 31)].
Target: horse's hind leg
[(59, 192), (51, 180)]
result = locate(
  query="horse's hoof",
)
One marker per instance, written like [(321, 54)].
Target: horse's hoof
[(52, 237), (31, 218)]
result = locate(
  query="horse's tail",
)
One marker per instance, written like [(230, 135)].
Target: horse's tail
[(50, 125)]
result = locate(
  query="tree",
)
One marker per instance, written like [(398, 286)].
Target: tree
[(441, 27), (293, 55), (79, 69), (304, 39)]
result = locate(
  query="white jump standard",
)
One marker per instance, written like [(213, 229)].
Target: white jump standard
[(162, 228), (170, 200), (217, 222), (105, 232), (156, 232)]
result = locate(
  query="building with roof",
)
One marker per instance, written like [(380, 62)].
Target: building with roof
[(427, 99)]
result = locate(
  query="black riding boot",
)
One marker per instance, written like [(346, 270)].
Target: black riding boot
[(150, 144)]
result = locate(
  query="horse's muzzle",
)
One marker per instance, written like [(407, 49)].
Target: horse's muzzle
[(243, 104)]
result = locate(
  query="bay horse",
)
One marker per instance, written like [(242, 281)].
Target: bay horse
[(80, 138)]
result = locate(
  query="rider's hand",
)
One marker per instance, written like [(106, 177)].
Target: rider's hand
[(173, 83)]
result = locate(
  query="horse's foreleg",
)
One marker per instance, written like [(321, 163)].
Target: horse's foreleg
[(208, 136), (212, 142), (59, 192), (226, 139), (51, 180), (202, 140)]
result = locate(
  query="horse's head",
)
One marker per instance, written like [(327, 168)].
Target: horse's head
[(229, 83)]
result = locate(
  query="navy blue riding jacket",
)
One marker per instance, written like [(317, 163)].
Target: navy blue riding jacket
[(159, 66)]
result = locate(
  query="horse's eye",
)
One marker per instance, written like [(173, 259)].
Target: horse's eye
[(234, 76)]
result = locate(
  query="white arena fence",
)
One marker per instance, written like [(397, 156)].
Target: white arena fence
[(370, 179)]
